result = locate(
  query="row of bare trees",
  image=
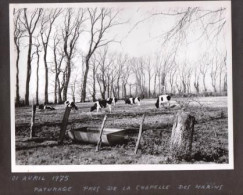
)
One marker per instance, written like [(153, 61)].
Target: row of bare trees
[(53, 38), (59, 30), (118, 75)]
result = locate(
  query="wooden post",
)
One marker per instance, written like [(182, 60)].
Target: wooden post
[(139, 134), (64, 124), (182, 135), (100, 137), (32, 122)]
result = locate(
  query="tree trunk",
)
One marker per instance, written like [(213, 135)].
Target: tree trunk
[(163, 83), (204, 84), (104, 88), (155, 79), (83, 95), (59, 92), (68, 74), (108, 88), (17, 78), (225, 82), (182, 135), (118, 88), (159, 83), (28, 71), (55, 89), (124, 89), (220, 81), (94, 85), (149, 85), (196, 85), (46, 77), (130, 90), (37, 78)]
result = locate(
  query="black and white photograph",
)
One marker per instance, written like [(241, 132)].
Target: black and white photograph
[(133, 86)]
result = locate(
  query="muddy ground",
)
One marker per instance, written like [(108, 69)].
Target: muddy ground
[(210, 141)]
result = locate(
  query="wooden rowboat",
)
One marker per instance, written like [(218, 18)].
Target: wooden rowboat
[(110, 136)]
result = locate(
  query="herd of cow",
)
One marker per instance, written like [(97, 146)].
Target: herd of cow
[(98, 105)]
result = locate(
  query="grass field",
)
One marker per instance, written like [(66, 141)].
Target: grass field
[(210, 141)]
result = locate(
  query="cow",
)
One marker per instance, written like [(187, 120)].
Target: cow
[(66, 102), (71, 104), (111, 100), (45, 107), (102, 104), (49, 108), (132, 100), (162, 100), (41, 106)]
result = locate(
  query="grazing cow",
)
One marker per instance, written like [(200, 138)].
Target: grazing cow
[(132, 100), (112, 100), (162, 99), (49, 108), (66, 103), (71, 104), (45, 107), (41, 106), (101, 104)]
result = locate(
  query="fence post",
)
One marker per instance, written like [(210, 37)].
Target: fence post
[(32, 130), (182, 135), (101, 132), (64, 124), (139, 134)]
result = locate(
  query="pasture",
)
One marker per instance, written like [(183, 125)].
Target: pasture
[(210, 141)]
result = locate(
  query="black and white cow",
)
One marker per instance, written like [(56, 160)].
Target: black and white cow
[(45, 107), (162, 100), (102, 104), (49, 108), (41, 106), (71, 104), (111, 101), (132, 100)]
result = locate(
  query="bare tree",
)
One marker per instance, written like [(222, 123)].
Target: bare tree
[(178, 84), (157, 71), (103, 67), (111, 75), (73, 88), (94, 76), (47, 22), (58, 59), (37, 52), (101, 20), (148, 68), (120, 63), (166, 63), (196, 79), (172, 74), (125, 76), (185, 77), (70, 33), (222, 70), (138, 70), (211, 21), (18, 34), (214, 72), (203, 70), (29, 21)]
